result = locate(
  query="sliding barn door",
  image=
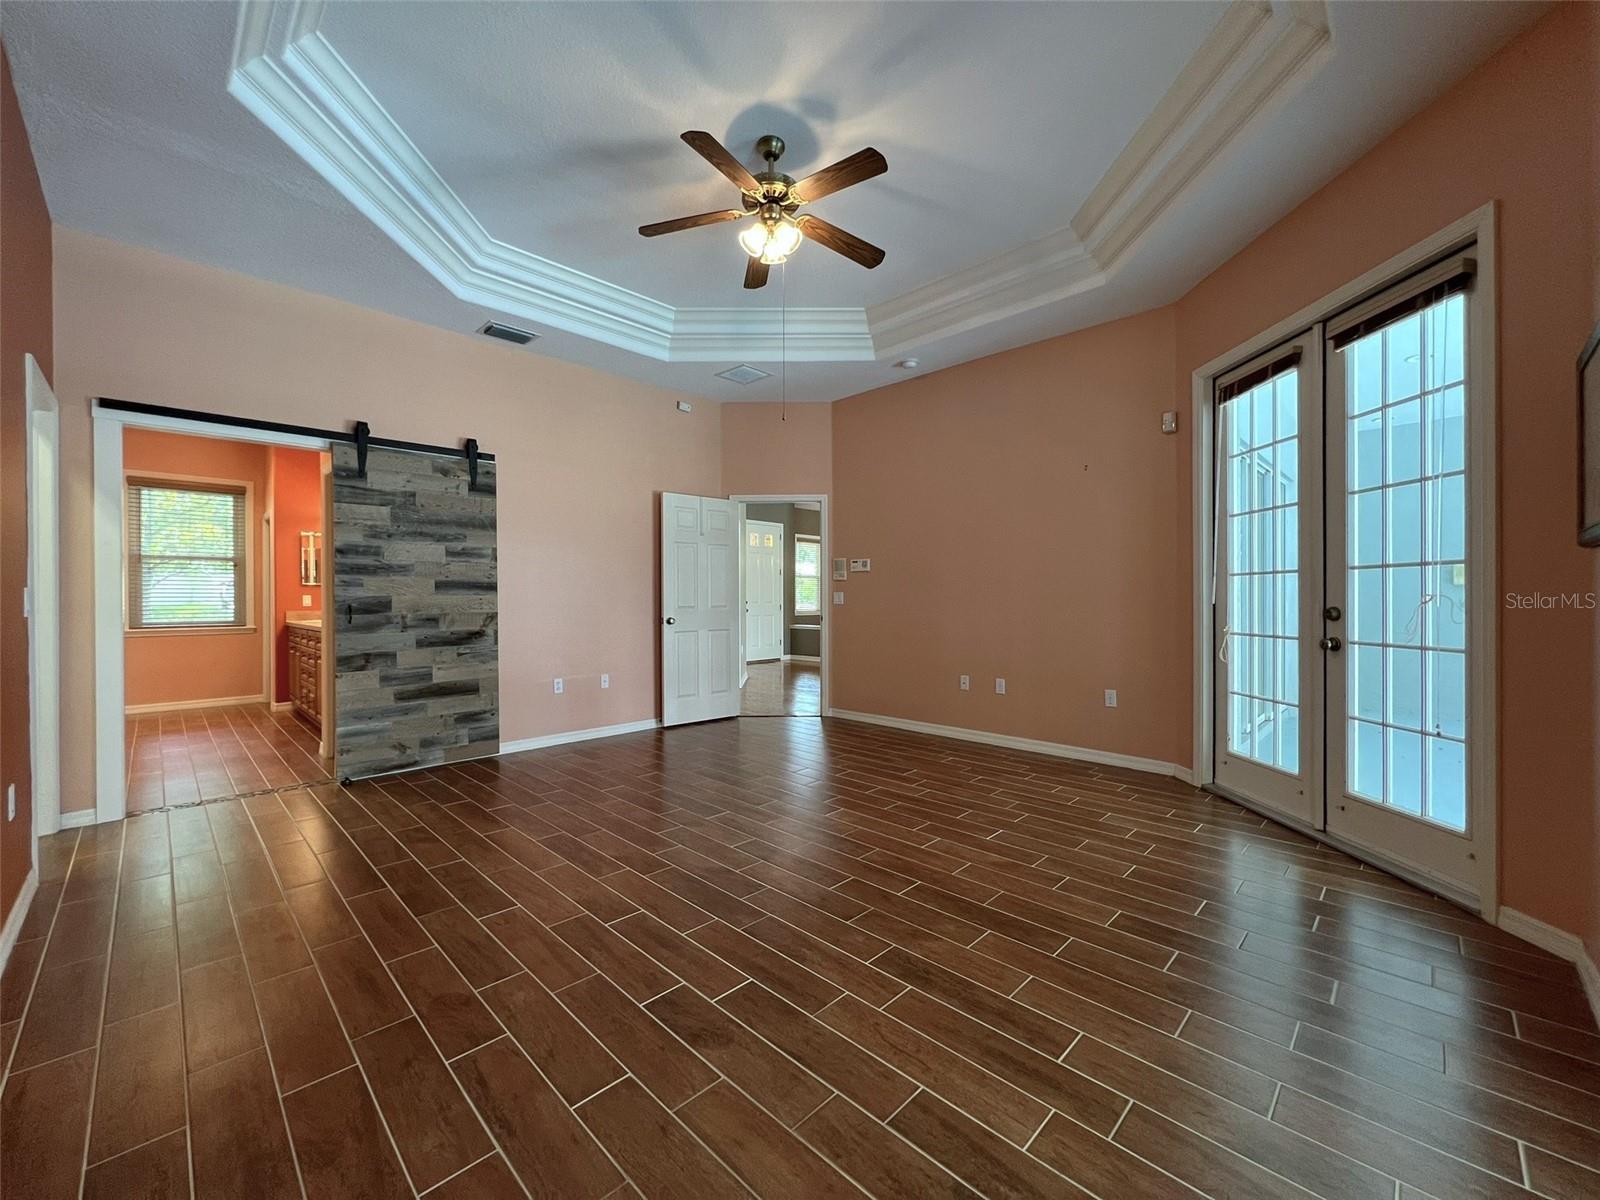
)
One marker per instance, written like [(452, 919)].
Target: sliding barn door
[(415, 611)]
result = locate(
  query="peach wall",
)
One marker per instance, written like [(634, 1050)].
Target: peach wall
[(583, 456), (25, 320), (777, 450), (296, 506), (1517, 131), (1018, 512), (188, 667)]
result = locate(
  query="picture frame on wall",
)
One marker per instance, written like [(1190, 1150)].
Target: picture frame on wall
[(1589, 442)]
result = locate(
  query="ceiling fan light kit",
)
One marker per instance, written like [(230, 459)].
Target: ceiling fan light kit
[(774, 199)]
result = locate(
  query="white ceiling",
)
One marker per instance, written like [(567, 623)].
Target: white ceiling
[(1052, 165)]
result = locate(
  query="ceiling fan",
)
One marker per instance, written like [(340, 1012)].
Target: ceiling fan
[(774, 200)]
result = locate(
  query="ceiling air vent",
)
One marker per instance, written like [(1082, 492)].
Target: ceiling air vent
[(508, 333), (743, 373)]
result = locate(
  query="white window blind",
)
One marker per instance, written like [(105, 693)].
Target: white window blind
[(807, 575), (186, 554)]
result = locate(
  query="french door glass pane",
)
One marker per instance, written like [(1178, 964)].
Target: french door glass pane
[(1405, 438), (1260, 436)]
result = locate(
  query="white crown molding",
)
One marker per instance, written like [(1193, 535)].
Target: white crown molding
[(292, 78)]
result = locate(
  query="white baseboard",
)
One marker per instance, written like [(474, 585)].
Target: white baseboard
[(577, 735), (816, 658), (282, 705), (19, 913), (1105, 758), (134, 710), (1560, 943), (82, 816)]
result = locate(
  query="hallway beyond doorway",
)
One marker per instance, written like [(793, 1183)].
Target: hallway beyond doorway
[(782, 689)]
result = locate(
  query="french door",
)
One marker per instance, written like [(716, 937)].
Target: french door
[(1343, 533)]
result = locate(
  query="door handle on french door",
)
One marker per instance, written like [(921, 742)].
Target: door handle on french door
[(671, 621), (1332, 644), (1332, 613)]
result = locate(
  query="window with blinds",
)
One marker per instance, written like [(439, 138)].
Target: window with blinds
[(186, 554)]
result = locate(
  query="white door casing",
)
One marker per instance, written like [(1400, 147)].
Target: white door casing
[(763, 596), (44, 599), (699, 608)]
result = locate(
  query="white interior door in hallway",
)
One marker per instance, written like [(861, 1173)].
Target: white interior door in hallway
[(699, 608), (763, 594)]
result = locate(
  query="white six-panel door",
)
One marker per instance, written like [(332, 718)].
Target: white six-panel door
[(699, 608), (763, 597)]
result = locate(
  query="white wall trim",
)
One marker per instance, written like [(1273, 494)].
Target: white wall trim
[(806, 658), (577, 735), (1104, 758), (286, 72), (185, 705), (18, 914), (43, 604), (1477, 227), (1560, 943)]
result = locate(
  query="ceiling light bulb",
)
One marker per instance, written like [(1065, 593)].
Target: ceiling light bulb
[(773, 243), (754, 240)]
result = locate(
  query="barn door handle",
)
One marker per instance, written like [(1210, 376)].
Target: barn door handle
[(349, 614)]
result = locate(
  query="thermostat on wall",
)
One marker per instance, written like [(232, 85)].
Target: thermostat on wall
[(861, 564), (840, 569)]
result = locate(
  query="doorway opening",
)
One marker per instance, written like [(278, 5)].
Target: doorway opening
[(210, 610), (223, 639), (784, 590)]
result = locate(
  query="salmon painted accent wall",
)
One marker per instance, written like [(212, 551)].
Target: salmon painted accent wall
[(296, 506), (184, 668), (777, 450), (1518, 131), (583, 456), (25, 328), (1020, 514)]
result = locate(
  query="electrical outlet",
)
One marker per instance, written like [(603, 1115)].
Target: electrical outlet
[(1111, 697), (999, 687), (966, 683), (11, 802), (561, 686), (605, 681)]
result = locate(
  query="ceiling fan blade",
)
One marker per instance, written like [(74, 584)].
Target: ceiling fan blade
[(863, 164), (840, 242), (707, 218), (715, 153), (755, 273)]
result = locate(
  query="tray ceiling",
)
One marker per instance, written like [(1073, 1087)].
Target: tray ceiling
[(1051, 165)]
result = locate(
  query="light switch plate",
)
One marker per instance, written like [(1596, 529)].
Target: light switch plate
[(1111, 697), (838, 597), (561, 686), (605, 681), (966, 683), (999, 687), (1169, 421), (305, 600)]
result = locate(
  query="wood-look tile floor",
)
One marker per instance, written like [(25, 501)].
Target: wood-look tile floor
[(782, 689), (790, 958), (183, 757)]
